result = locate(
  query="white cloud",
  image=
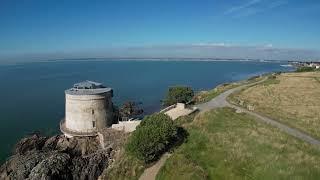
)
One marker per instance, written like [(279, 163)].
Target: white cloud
[(212, 44), (242, 6), (192, 50), (254, 7), (269, 45), (277, 4)]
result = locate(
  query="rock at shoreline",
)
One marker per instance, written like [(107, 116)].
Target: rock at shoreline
[(54, 166), (35, 142), (58, 157)]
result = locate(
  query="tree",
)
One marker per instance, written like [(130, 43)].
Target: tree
[(178, 94), (155, 134)]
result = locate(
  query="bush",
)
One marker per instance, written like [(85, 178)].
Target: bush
[(305, 69), (253, 78), (178, 94), (155, 135)]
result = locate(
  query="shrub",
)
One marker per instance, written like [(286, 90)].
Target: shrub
[(155, 134), (305, 69), (178, 94), (253, 78)]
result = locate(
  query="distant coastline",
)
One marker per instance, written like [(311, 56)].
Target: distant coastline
[(182, 59), (165, 59)]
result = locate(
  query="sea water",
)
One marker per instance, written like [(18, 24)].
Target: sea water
[(32, 94)]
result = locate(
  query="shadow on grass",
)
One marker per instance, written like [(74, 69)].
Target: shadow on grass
[(179, 139), (182, 135)]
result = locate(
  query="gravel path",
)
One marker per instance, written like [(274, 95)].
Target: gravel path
[(293, 132), (220, 101), (151, 172)]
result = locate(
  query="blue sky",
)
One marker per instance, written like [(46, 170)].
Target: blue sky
[(45, 29)]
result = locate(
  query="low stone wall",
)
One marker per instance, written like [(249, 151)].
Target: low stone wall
[(126, 126), (179, 110), (168, 108)]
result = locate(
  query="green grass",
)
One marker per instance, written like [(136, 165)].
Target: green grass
[(181, 121), (206, 96), (128, 167), (306, 69), (317, 79), (125, 167), (290, 98), (272, 79), (225, 145)]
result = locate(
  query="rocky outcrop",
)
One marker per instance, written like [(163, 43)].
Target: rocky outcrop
[(28, 144), (58, 157), (53, 166)]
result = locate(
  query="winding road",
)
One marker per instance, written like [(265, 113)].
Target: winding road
[(221, 101)]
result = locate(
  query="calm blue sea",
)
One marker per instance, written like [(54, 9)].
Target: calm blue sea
[(32, 94)]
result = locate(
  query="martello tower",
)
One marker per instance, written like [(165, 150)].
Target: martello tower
[(88, 109)]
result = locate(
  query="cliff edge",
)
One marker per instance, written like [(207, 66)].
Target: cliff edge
[(58, 157)]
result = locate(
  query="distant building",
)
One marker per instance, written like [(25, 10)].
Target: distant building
[(88, 109), (315, 64)]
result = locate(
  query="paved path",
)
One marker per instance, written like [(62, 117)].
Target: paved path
[(151, 172), (220, 101), (294, 132)]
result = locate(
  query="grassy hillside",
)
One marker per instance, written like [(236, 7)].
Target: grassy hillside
[(223, 144), (205, 96), (291, 98), (125, 167)]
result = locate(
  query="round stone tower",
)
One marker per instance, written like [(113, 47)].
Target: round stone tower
[(88, 109)]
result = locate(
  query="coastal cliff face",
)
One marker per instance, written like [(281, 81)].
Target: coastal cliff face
[(58, 157)]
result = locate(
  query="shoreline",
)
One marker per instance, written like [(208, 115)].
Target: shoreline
[(151, 108), (21, 62)]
